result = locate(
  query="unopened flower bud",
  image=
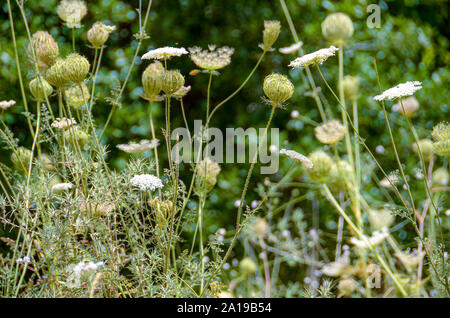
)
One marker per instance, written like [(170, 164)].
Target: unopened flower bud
[(171, 82), (278, 88), (99, 33), (346, 286), (337, 28), (440, 177), (270, 33), (247, 266), (330, 133), (426, 148), (152, 79), (260, 227), (40, 89), (207, 172), (322, 167), (77, 95), (21, 158), (45, 48), (76, 135), (350, 84), (76, 67), (441, 136)]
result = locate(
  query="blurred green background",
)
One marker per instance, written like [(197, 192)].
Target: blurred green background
[(411, 44)]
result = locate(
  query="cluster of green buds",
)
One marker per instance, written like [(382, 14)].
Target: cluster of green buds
[(77, 95), (21, 158), (441, 137), (75, 135), (337, 28), (278, 88), (45, 49), (162, 210), (207, 172), (350, 86)]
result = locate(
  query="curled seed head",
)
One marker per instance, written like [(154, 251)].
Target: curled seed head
[(337, 28), (56, 74), (76, 67), (278, 88), (171, 82), (152, 79), (40, 89), (45, 48), (75, 135)]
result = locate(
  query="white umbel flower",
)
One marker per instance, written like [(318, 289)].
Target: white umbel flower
[(291, 49), (164, 53), (401, 90), (5, 104), (317, 57), (297, 157), (146, 182), (63, 123), (211, 59), (376, 238), (59, 187), (143, 146)]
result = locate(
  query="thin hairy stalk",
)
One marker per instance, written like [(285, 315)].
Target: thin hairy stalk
[(358, 231), (152, 129), (301, 52), (216, 108), (244, 192), (19, 71), (138, 47)]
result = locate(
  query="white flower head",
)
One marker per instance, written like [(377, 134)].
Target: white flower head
[(291, 49), (59, 187), (146, 182), (317, 57), (164, 53), (376, 238), (211, 59), (297, 157), (143, 146), (72, 12), (399, 91), (7, 104), (63, 123)]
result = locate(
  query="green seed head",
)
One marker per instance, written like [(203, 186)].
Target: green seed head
[(40, 89), (45, 48), (426, 147), (247, 266), (322, 167), (152, 79), (171, 82), (99, 33), (76, 67), (278, 88), (75, 134), (56, 74)]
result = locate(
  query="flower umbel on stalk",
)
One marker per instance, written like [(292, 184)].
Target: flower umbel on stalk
[(99, 33), (72, 12), (270, 33)]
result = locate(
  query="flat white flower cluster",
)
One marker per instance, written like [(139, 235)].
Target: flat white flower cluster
[(87, 267), (23, 260), (211, 59), (163, 53), (317, 57), (401, 90), (291, 49), (59, 187), (5, 104), (142, 146), (63, 123), (376, 238), (146, 182), (297, 157)]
